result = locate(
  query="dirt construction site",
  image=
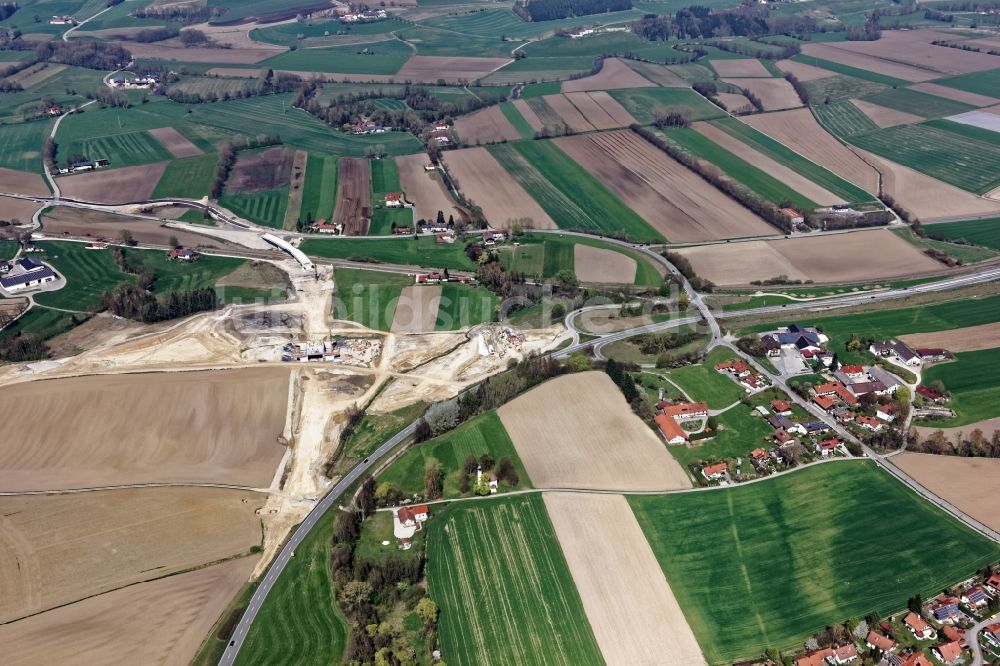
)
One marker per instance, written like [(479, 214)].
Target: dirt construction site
[(155, 468)]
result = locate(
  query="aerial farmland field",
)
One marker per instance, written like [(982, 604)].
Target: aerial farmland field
[(971, 382), (984, 232), (823, 528)]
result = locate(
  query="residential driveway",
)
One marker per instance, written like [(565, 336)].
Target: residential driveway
[(790, 363)]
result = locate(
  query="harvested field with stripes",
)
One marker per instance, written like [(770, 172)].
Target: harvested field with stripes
[(658, 74), (735, 102), (354, 196), (528, 113), (487, 125), (675, 201), (430, 69), (615, 74), (802, 71), (577, 431), (914, 48), (955, 94), (895, 70), (501, 582), (600, 109), (883, 116), (569, 114), (424, 189), (178, 144), (488, 185), (774, 94)]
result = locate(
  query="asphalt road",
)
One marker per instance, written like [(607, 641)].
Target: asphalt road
[(281, 561)]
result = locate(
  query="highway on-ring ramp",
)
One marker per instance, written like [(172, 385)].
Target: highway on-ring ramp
[(281, 561)]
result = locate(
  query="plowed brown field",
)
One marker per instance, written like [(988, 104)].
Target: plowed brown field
[(528, 113), (488, 185), (595, 264), (883, 116), (678, 203), (428, 69), (914, 48), (774, 94), (739, 68), (968, 338), (592, 111), (178, 144), (955, 94), (22, 182), (485, 126), (568, 112), (125, 185), (971, 484), (57, 549), (577, 431), (802, 71), (416, 310), (425, 189), (354, 196), (614, 74), (98, 224), (212, 427)]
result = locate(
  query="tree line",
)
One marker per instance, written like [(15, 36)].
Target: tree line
[(227, 158), (550, 10), (269, 83), (132, 301)]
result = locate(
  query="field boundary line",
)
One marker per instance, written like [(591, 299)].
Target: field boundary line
[(94, 489)]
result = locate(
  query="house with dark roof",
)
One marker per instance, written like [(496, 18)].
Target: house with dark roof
[(945, 609), (975, 596), (26, 274), (930, 394), (814, 427)]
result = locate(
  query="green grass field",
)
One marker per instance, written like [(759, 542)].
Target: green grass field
[(384, 57), (703, 383), (979, 232), (967, 254), (793, 160), (501, 582), (740, 170), (267, 208), (922, 104), (767, 565), (838, 88), (953, 158), (21, 145), (968, 131), (122, 149), (644, 103), (971, 379), (424, 251), (367, 297), (837, 68), (569, 194), (843, 119), (44, 323), (299, 623), (320, 188), (462, 306), (544, 255), (739, 433), (483, 434), (982, 83), (385, 179), (190, 177), (313, 32), (517, 120)]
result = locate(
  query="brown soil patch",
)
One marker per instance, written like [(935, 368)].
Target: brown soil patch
[(428, 69), (678, 203), (98, 224), (884, 116), (615, 74), (295, 190), (987, 427), (488, 185), (135, 183), (736, 103), (57, 549), (798, 130), (529, 114), (619, 114), (969, 338), (166, 51), (260, 171), (416, 310), (354, 196), (774, 94), (862, 61), (971, 484), (799, 183), (802, 71), (424, 189), (740, 68), (22, 182), (209, 427), (592, 111), (577, 431), (178, 144), (955, 94), (926, 197), (161, 622), (658, 74), (633, 612), (569, 114), (914, 48), (594, 264), (485, 126), (849, 257), (17, 209)]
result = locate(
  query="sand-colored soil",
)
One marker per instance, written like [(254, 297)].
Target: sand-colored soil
[(798, 130), (135, 183), (416, 310), (862, 255), (987, 427), (968, 338), (488, 185), (428, 69), (802, 71), (868, 63), (981, 119), (162, 622), (577, 431), (615, 74), (570, 115), (354, 196), (774, 94), (424, 189), (740, 68), (793, 179), (63, 220), (619, 114), (594, 264), (18, 209), (81, 432), (883, 116), (528, 113), (57, 549), (485, 126), (678, 203), (592, 111), (971, 484), (167, 51), (630, 606), (735, 102), (955, 94), (914, 48), (22, 182), (658, 74), (926, 197), (178, 144)]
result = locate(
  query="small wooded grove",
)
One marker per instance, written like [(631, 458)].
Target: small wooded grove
[(548, 10), (133, 302)]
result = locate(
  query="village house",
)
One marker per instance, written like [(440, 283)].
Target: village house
[(868, 423), (412, 516), (323, 227), (864, 388), (993, 583), (5, 266), (672, 432), (916, 659), (441, 137), (854, 372), (26, 274), (494, 237), (933, 354), (815, 427), (444, 237), (771, 345), (759, 457), (827, 446), (716, 472), (781, 407), (930, 394), (884, 412), (948, 653), (393, 200), (835, 389), (975, 596), (876, 641), (794, 216), (951, 634), (685, 411), (825, 402), (896, 350), (992, 633), (782, 437), (430, 167), (182, 254), (845, 654), (919, 627), (62, 20), (945, 609), (738, 369), (817, 658)]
